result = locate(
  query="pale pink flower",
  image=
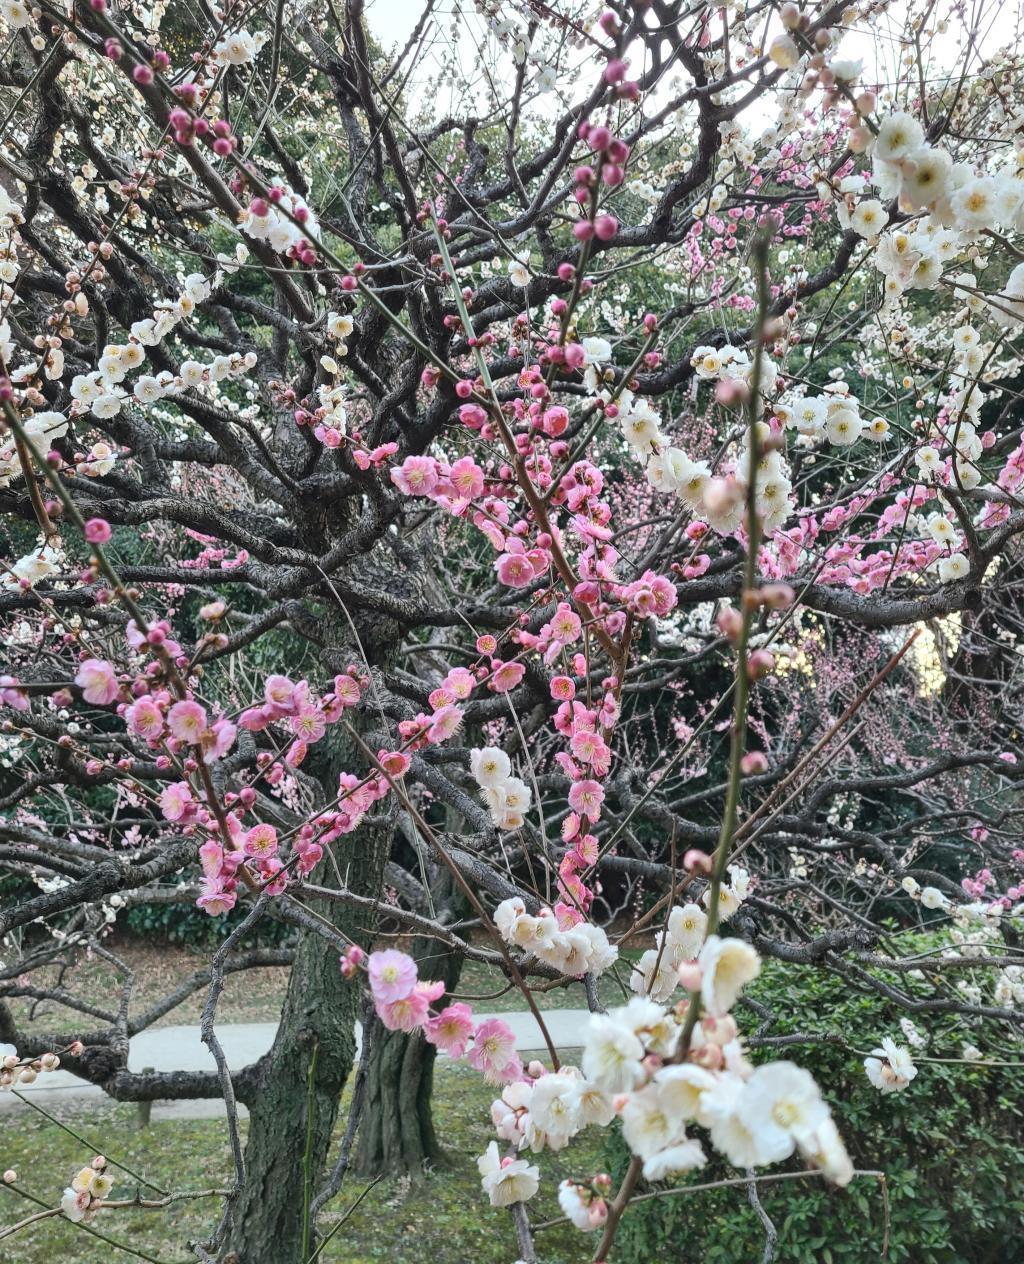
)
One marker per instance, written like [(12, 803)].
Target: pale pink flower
[(515, 570), (279, 691), (346, 690), (187, 721), (96, 679), (494, 1052), (145, 719), (460, 682), (452, 1029), (467, 478), (175, 800), (408, 1013), (211, 857), (216, 901), (395, 763), (309, 725), (261, 840), (566, 625), (588, 747), (392, 975), (416, 476), (507, 676), (444, 724), (11, 695), (218, 740), (586, 798), (254, 719)]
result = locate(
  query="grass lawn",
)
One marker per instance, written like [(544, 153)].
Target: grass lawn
[(443, 1219)]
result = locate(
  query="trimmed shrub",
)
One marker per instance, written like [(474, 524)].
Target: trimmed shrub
[(951, 1146)]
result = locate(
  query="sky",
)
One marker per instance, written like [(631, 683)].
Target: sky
[(392, 22)]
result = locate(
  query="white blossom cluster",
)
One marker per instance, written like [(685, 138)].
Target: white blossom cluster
[(835, 415), (656, 974), (576, 950), (508, 798), (42, 562), (891, 1067), (949, 205), (632, 1067), (239, 48)]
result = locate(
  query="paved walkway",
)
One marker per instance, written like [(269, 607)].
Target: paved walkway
[(182, 1049)]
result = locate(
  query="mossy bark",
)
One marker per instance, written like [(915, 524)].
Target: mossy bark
[(301, 1079)]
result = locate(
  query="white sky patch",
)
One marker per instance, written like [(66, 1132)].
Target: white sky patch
[(455, 33)]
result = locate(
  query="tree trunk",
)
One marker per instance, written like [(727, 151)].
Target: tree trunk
[(293, 1111), (396, 1135)]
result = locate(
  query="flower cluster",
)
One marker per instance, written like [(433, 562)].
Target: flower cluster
[(891, 1067), (15, 1070), (89, 1187), (753, 1115), (508, 798), (559, 937), (402, 1003)]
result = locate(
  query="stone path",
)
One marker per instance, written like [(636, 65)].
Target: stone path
[(182, 1049)]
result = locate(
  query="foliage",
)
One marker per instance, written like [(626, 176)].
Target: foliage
[(184, 924), (951, 1147)]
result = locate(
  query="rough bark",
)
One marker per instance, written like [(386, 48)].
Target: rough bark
[(300, 1084)]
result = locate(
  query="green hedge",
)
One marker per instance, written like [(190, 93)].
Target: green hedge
[(951, 1146), (186, 924)]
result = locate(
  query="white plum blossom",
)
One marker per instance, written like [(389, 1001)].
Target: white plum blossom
[(506, 1181), (890, 1068), (727, 965)]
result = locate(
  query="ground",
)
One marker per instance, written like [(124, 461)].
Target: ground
[(444, 1219)]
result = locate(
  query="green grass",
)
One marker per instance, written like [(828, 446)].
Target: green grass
[(444, 1218)]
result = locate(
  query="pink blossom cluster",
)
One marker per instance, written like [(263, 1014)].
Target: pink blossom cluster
[(402, 1002)]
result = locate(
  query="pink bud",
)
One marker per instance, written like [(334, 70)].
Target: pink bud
[(778, 596), (731, 392), (730, 622), (753, 763), (690, 976), (142, 74), (97, 531)]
